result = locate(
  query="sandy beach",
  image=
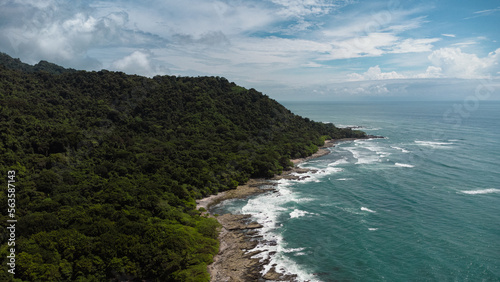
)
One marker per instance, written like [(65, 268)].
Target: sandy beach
[(237, 236)]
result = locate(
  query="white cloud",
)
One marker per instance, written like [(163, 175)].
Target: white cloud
[(465, 43), (488, 11), (483, 13), (375, 73), (63, 34), (401, 25), (455, 63), (431, 72), (197, 17), (205, 37), (37, 4), (359, 23), (468, 42), (414, 45), (139, 62), (266, 44), (375, 35), (313, 65), (209, 39), (446, 63), (362, 89), (299, 8), (374, 44), (413, 89), (377, 44)]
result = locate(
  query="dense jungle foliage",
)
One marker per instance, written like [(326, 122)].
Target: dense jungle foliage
[(108, 167)]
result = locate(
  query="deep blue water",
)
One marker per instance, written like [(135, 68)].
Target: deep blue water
[(423, 204)]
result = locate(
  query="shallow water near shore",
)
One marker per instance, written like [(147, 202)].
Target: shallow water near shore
[(422, 204)]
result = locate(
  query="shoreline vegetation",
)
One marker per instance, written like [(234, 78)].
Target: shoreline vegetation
[(111, 166), (237, 233)]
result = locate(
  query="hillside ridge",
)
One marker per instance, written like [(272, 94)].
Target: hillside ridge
[(109, 166)]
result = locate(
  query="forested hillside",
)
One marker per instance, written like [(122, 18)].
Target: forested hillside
[(108, 167)]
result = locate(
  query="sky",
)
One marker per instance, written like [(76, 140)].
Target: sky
[(288, 49)]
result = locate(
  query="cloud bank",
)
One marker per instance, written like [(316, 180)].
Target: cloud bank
[(273, 45), (446, 63)]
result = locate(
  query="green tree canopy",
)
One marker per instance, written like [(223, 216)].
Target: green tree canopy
[(109, 166)]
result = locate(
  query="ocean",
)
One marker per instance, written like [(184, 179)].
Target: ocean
[(422, 204)]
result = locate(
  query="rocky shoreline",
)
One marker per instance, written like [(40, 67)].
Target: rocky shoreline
[(238, 233)]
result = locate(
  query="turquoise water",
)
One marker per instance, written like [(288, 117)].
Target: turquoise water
[(423, 204)]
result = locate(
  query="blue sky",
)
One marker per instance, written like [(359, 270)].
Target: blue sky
[(288, 49)]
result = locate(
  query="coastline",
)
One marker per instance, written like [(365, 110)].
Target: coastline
[(238, 234)]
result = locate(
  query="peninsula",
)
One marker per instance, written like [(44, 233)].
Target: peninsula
[(109, 167)]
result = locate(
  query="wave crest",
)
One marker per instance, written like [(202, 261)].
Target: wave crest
[(367, 209), (482, 191), (403, 165)]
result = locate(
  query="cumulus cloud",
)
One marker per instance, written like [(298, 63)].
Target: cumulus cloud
[(431, 72), (139, 62), (455, 63), (366, 89), (375, 73), (197, 35), (446, 63), (412, 88), (58, 32), (266, 44)]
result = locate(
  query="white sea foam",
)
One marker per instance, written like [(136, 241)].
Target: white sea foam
[(350, 210), (401, 149), (349, 126), (345, 179), (367, 209), (307, 177), (378, 150), (316, 173), (372, 229), (368, 152), (298, 213), (362, 156), (434, 144), (403, 165), (339, 162), (482, 191), (303, 200), (282, 264), (266, 209), (293, 250), (329, 170)]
